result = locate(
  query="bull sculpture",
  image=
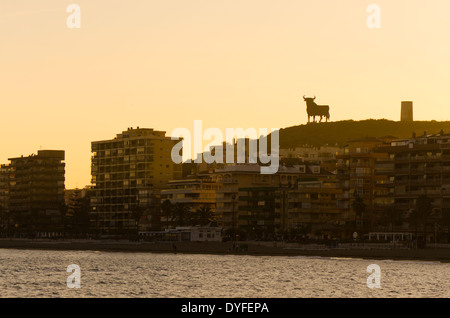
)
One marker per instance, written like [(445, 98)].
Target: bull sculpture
[(314, 110)]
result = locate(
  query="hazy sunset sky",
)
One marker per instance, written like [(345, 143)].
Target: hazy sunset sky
[(231, 63)]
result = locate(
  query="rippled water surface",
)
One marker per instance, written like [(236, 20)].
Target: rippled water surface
[(35, 273)]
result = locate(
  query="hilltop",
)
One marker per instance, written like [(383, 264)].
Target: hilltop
[(340, 132)]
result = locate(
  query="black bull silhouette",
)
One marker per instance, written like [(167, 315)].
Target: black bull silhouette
[(314, 110)]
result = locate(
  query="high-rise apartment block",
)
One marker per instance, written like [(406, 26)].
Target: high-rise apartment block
[(127, 175), (259, 206), (420, 166), (33, 194), (358, 177)]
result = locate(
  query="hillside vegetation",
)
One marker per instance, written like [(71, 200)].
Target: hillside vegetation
[(340, 132)]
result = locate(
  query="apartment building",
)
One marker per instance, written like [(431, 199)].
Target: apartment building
[(356, 174), (33, 194), (128, 173), (4, 199), (313, 209), (418, 166), (195, 192), (250, 202)]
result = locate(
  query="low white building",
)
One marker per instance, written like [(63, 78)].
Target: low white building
[(186, 234), (200, 233)]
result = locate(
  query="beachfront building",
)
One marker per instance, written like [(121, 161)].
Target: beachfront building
[(250, 203), (4, 198), (230, 179), (195, 192), (256, 212), (312, 209), (128, 173), (419, 169), (33, 194), (359, 181), (207, 233)]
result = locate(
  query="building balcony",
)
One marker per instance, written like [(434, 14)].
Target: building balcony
[(226, 219), (403, 206), (418, 158), (409, 182), (429, 170), (402, 171), (401, 160), (416, 171), (433, 182), (384, 172), (433, 192)]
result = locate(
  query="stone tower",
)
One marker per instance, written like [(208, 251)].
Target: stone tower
[(407, 111)]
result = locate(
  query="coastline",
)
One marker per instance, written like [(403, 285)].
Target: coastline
[(253, 249)]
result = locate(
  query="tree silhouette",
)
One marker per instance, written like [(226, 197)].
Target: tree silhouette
[(204, 215), (359, 207), (181, 213), (445, 221), (63, 209), (136, 215), (392, 216), (167, 211), (420, 216), (3, 220)]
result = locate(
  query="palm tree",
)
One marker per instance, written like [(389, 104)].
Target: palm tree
[(136, 215), (2, 214), (204, 215), (167, 210), (181, 213), (421, 213), (359, 207), (63, 209), (445, 221), (392, 217)]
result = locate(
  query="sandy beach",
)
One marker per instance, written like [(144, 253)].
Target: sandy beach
[(245, 248)]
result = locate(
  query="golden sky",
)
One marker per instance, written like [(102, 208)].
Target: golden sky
[(230, 63)]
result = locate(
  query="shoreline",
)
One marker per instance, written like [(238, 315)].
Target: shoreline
[(225, 248)]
